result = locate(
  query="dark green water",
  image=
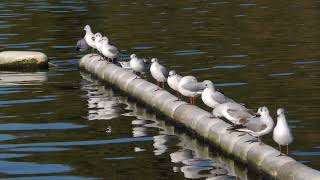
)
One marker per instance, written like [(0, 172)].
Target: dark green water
[(61, 124)]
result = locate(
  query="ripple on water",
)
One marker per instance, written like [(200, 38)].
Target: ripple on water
[(7, 167), (236, 56), (307, 62), (9, 90), (230, 84), (229, 66), (39, 149), (141, 47), (77, 143), (5, 137), (120, 158), (6, 103), (305, 153), (12, 155), (51, 178), (189, 52), (280, 74), (24, 126)]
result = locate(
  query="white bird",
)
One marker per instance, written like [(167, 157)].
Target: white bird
[(89, 37), (232, 111), (98, 41), (259, 126), (190, 87), (173, 81), (282, 133), (211, 97), (158, 72), (108, 50), (137, 65)]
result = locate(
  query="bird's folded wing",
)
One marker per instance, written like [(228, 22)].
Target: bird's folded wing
[(193, 86), (113, 50), (220, 98), (255, 125), (239, 114)]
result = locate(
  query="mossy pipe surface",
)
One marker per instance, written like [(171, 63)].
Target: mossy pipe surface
[(242, 147)]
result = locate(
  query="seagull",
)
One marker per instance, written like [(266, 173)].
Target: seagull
[(258, 126), (173, 81), (89, 37), (82, 45), (108, 50), (158, 72), (137, 65), (232, 111), (211, 97), (190, 87), (282, 133), (98, 41)]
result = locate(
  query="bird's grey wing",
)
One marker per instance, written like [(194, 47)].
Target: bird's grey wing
[(220, 98), (193, 86), (114, 50), (82, 45), (239, 114), (164, 71), (255, 125)]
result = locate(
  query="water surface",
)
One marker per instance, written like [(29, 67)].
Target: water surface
[(62, 124)]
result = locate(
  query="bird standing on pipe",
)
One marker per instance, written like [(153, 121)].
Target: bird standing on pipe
[(173, 81), (232, 111), (89, 37), (282, 133), (258, 126), (137, 65), (211, 97), (190, 87), (108, 50), (158, 72)]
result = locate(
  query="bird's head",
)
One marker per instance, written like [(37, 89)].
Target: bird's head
[(207, 84), (87, 28), (132, 56), (154, 60), (172, 73), (280, 111), (97, 35)]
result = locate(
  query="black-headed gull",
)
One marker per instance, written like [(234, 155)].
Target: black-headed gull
[(158, 72), (173, 81), (282, 133), (211, 97), (190, 87)]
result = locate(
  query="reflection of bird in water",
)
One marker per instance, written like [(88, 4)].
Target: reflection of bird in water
[(160, 144), (109, 129), (181, 155), (102, 103), (139, 131), (194, 172)]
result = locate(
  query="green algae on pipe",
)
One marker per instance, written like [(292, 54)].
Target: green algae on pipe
[(244, 148), (23, 60)]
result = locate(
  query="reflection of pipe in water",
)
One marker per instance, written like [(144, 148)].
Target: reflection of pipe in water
[(23, 78), (101, 101), (194, 157)]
